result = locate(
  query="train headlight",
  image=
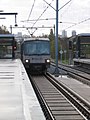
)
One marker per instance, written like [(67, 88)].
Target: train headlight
[(26, 61), (48, 61)]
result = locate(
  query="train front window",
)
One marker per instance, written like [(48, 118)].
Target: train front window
[(37, 48)]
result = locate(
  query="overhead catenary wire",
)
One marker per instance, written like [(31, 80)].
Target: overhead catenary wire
[(65, 5), (31, 10), (39, 19), (78, 23), (49, 5), (65, 11), (42, 13)]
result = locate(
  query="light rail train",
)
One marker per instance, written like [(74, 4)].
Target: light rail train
[(35, 54), (80, 45)]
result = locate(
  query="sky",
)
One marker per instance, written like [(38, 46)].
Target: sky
[(73, 16)]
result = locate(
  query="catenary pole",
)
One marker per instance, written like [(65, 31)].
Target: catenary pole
[(56, 42)]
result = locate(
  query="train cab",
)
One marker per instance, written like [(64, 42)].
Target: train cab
[(35, 53)]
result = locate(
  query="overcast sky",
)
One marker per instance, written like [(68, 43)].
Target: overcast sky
[(74, 16)]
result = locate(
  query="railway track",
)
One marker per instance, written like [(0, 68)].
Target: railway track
[(77, 74), (83, 69), (59, 102)]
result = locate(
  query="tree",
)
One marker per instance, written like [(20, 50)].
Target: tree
[(3, 30), (52, 43)]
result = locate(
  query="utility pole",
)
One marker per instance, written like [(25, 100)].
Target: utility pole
[(56, 72), (56, 42), (11, 28)]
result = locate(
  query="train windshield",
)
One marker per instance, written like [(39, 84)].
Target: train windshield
[(37, 48)]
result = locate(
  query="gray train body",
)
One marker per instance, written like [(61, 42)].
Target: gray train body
[(35, 54)]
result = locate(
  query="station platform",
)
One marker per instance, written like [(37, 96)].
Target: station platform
[(17, 98), (77, 87), (85, 61), (82, 62)]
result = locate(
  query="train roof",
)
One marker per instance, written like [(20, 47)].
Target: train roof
[(6, 35), (28, 39), (81, 34), (84, 34)]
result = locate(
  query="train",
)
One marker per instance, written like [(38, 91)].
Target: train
[(80, 45), (7, 46), (79, 48), (35, 54)]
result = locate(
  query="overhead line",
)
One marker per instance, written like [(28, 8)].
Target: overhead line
[(39, 19), (78, 23), (42, 13), (31, 10), (49, 4), (33, 27), (65, 11), (65, 4), (47, 8)]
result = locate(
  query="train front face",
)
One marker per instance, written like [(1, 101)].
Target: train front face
[(36, 54)]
